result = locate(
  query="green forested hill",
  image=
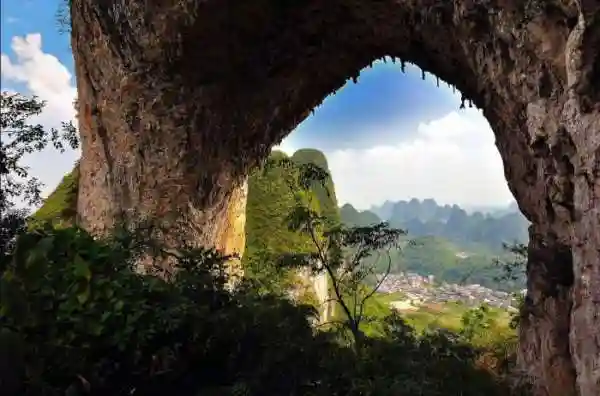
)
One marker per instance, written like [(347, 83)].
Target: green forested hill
[(270, 201), (60, 206), (354, 218), (326, 196)]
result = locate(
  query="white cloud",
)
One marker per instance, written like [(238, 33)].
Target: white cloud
[(452, 159), (45, 76)]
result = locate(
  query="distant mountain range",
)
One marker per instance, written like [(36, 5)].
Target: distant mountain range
[(428, 218), (449, 243), (384, 211)]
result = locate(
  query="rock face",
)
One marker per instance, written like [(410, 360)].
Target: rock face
[(234, 235), (179, 99)]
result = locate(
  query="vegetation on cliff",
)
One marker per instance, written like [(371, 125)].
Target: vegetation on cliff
[(271, 195), (325, 192), (273, 192), (60, 207)]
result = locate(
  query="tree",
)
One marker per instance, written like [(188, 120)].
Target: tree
[(476, 322), (343, 253), (18, 138), (513, 270)]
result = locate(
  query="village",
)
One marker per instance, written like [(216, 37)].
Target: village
[(418, 290)]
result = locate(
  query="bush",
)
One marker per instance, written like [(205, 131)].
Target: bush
[(77, 318), (84, 317)]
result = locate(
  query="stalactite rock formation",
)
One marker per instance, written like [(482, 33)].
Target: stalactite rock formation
[(178, 99)]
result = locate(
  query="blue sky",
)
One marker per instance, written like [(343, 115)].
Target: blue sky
[(390, 136)]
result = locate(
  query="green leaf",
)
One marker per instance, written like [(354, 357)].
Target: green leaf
[(45, 245), (83, 296), (97, 329), (105, 316), (82, 268), (119, 305)]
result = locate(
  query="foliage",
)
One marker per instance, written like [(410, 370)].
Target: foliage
[(270, 199), (338, 251), (513, 265), (18, 137), (84, 316), (61, 206), (436, 362), (476, 322), (76, 317), (515, 269), (12, 223)]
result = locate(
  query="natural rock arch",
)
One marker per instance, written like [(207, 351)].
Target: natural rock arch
[(180, 98)]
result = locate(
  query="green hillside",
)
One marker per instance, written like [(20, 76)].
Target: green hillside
[(270, 201), (326, 196), (448, 262), (61, 205), (354, 218)]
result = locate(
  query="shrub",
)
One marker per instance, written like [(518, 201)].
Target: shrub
[(83, 316), (77, 318)]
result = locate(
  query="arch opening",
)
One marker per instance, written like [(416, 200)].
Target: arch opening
[(411, 153)]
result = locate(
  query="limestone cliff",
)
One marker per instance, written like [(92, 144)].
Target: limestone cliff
[(60, 208), (234, 239)]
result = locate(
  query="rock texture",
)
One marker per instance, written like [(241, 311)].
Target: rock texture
[(233, 236), (180, 98)]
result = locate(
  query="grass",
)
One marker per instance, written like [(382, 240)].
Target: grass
[(61, 205), (443, 315)]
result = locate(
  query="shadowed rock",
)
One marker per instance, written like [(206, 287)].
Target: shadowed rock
[(178, 99)]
